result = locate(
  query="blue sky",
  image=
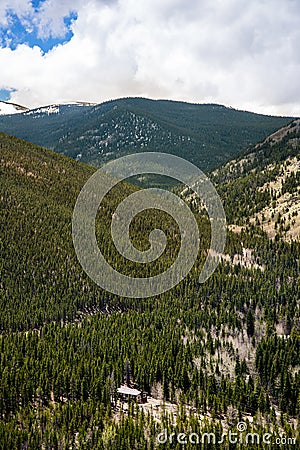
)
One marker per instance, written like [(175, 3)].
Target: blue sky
[(5, 94), (234, 52), (25, 32), (22, 27)]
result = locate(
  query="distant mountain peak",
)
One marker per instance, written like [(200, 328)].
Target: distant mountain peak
[(7, 108), (55, 108), (205, 134)]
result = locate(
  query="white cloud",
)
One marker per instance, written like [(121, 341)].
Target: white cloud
[(21, 8), (49, 20), (240, 53)]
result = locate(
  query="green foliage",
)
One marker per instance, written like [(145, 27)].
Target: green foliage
[(64, 341), (241, 183), (275, 360), (206, 135)]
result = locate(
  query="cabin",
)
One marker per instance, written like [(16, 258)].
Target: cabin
[(126, 394)]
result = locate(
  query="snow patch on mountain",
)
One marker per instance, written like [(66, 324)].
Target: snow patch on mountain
[(7, 108), (52, 109), (55, 108)]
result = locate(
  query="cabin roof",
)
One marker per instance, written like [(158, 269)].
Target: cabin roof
[(128, 391)]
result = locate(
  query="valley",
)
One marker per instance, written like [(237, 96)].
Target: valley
[(210, 355)]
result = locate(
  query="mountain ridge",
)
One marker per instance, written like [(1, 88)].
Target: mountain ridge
[(8, 108), (205, 134), (264, 184)]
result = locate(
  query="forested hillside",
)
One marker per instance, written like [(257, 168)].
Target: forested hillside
[(205, 134), (212, 355), (262, 186)]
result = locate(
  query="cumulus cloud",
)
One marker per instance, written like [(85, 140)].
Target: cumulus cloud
[(239, 53), (20, 8), (49, 18)]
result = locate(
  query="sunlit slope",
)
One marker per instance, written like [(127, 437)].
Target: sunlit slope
[(262, 185)]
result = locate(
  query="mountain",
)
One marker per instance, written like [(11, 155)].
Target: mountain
[(210, 356), (205, 134), (262, 185), (7, 108)]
